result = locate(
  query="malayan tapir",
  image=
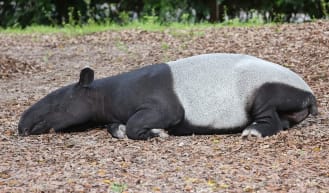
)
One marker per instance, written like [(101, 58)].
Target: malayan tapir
[(204, 94)]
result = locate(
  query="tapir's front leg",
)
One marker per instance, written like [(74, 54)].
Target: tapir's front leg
[(119, 131), (141, 125)]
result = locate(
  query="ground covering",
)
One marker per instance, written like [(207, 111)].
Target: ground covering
[(32, 65)]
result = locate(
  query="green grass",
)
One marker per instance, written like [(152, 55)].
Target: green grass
[(147, 26), (118, 188)]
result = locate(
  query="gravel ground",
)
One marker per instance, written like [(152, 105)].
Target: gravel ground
[(33, 65)]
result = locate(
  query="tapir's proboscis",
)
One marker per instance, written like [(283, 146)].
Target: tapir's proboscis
[(203, 94)]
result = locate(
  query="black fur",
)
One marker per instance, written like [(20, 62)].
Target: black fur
[(142, 100), (279, 106)]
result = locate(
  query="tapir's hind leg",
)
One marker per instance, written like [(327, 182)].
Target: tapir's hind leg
[(278, 106)]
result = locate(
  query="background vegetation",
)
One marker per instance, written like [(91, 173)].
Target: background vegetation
[(23, 13)]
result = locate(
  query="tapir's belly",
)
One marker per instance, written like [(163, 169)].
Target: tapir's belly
[(217, 90)]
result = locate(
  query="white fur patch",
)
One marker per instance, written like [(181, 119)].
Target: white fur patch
[(251, 132), (160, 132), (120, 133), (216, 89)]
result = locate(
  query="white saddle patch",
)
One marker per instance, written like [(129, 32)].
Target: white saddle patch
[(213, 87)]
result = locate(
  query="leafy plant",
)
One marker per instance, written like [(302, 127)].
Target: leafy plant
[(118, 187)]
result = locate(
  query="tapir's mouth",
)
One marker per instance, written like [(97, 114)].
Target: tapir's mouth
[(38, 128)]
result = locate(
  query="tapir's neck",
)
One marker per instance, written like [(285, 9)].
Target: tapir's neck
[(100, 102), (98, 107)]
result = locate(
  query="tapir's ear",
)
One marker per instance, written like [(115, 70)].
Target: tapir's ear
[(86, 77)]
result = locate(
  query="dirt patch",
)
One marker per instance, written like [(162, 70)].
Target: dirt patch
[(9, 67), (292, 161)]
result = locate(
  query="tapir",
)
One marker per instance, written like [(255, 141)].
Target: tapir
[(215, 93)]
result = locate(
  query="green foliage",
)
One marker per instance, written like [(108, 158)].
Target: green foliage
[(124, 18), (23, 13), (167, 10), (325, 8), (118, 188)]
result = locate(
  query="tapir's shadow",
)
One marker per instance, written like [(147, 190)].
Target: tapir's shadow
[(81, 128)]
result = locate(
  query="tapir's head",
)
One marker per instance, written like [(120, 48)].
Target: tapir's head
[(63, 108)]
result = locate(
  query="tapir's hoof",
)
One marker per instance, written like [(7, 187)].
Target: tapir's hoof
[(160, 133), (250, 132), (117, 131)]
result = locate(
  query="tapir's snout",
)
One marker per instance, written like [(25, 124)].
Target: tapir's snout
[(23, 131), (23, 127), (39, 128), (28, 125)]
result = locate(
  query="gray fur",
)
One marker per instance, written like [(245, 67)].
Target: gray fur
[(216, 89)]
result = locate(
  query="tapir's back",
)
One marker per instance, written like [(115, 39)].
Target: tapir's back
[(219, 88)]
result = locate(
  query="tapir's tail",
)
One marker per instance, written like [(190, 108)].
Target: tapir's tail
[(298, 116), (313, 108)]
